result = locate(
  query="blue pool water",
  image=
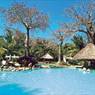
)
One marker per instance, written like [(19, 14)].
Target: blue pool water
[(47, 82)]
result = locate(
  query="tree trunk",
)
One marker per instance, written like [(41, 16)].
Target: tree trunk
[(94, 38), (91, 37), (59, 55), (27, 53), (60, 52)]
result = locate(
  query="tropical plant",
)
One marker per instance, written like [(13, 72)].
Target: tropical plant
[(69, 49), (9, 41), (79, 42), (41, 47)]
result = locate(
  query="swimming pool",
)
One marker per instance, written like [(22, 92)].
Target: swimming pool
[(62, 81)]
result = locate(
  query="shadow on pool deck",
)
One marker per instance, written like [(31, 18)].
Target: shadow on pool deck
[(14, 89)]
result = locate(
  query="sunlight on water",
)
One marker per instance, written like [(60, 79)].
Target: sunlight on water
[(48, 82)]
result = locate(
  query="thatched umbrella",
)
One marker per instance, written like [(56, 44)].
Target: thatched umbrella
[(47, 56), (87, 53)]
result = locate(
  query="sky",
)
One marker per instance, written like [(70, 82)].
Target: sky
[(53, 8)]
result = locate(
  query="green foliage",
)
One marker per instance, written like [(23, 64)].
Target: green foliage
[(78, 41), (41, 47), (3, 50), (2, 41), (11, 43), (69, 49)]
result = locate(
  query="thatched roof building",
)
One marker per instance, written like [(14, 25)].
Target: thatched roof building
[(87, 53), (47, 56)]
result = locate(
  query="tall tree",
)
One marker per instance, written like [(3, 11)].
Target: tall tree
[(83, 19), (60, 36), (29, 17)]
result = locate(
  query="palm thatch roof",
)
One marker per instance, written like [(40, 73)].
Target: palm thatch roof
[(87, 53), (47, 56)]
